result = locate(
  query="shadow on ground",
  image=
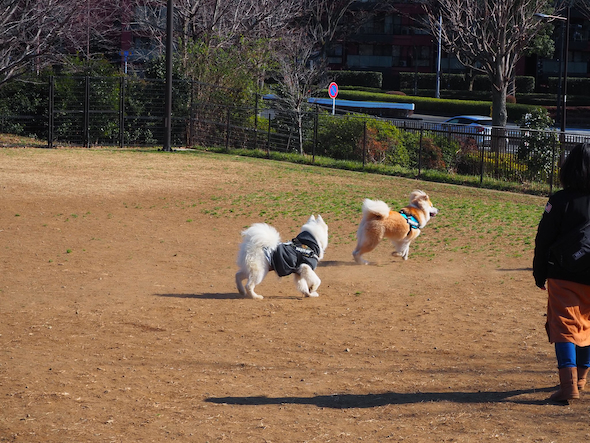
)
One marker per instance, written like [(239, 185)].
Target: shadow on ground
[(390, 398)]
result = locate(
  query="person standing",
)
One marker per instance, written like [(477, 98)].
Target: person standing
[(568, 290)]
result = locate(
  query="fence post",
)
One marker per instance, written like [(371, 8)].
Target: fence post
[(552, 167), (364, 143), (315, 133), (256, 118), (122, 112), (268, 137), (481, 164), (86, 111), (50, 112), (420, 151), (227, 127)]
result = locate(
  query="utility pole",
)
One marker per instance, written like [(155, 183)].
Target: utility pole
[(168, 105), (438, 56)]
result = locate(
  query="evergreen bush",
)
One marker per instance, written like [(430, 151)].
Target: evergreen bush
[(368, 79)]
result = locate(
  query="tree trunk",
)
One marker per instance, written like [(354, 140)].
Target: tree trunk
[(469, 78), (300, 130), (499, 116)]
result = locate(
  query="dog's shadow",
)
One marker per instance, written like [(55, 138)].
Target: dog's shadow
[(224, 296), (204, 296), (338, 263), (347, 401)]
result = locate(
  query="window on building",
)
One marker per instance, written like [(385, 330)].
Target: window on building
[(380, 25), (396, 24), (365, 49)]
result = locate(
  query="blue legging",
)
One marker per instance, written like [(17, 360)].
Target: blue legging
[(569, 355)]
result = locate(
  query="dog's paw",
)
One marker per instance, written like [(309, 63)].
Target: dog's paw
[(360, 261), (313, 294)]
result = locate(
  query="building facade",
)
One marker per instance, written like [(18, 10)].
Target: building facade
[(394, 40)]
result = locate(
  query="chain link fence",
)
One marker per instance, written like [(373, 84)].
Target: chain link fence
[(129, 112)]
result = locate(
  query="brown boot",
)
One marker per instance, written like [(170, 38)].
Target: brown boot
[(568, 385), (582, 374)]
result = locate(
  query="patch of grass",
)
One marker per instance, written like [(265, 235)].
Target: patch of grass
[(397, 171), (18, 141), (471, 220)]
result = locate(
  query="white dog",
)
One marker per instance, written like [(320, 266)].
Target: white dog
[(262, 251)]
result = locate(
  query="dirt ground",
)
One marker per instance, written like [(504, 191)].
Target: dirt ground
[(120, 321)]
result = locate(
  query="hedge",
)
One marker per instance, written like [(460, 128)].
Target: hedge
[(524, 84), (575, 85), (433, 106), (369, 79)]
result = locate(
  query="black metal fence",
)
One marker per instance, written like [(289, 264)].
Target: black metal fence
[(129, 112)]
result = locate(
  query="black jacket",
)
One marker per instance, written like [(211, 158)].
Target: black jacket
[(288, 257), (565, 211)]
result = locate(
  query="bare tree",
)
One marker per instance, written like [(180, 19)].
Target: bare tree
[(582, 5), (223, 23), (298, 75), (31, 33), (489, 36), (325, 20), (38, 33), (95, 27)]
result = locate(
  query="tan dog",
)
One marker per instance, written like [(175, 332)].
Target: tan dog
[(400, 227)]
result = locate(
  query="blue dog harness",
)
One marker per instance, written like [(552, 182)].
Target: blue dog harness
[(412, 221)]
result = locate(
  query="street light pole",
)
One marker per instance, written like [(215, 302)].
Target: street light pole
[(562, 88), (565, 62), (168, 101), (438, 56)]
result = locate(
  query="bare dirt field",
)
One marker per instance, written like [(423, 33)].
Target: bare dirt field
[(120, 321)]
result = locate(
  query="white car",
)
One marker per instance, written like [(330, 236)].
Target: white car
[(466, 126)]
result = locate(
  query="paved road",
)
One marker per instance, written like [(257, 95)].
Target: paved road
[(439, 119)]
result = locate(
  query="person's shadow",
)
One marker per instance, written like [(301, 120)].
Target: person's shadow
[(344, 401)]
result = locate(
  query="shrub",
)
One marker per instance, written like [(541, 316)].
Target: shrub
[(338, 137), (523, 84), (575, 85), (536, 146), (369, 79), (431, 151), (468, 157), (344, 138), (432, 157), (389, 138)]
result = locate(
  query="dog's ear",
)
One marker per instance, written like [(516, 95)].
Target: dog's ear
[(418, 195), (311, 219), (320, 219)]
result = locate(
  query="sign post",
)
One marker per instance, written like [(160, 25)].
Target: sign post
[(333, 92), (125, 55)]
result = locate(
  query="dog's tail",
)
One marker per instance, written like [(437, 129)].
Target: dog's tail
[(375, 209), (261, 235)]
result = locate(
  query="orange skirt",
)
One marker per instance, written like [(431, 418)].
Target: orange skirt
[(568, 312)]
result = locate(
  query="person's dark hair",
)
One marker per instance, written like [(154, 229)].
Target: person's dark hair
[(575, 171)]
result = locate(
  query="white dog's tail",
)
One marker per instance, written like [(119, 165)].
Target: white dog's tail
[(259, 242), (262, 236), (375, 207)]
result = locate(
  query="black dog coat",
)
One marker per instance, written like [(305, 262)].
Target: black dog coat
[(288, 257)]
